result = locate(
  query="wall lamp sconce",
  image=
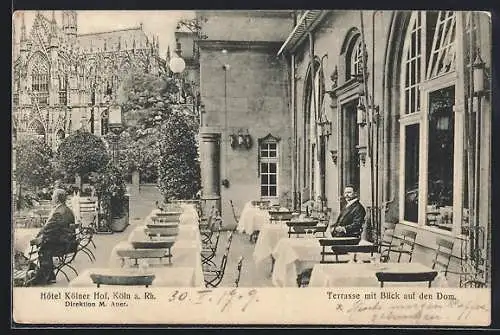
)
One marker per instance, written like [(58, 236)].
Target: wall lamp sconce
[(479, 75), (240, 140), (334, 154), (361, 114), (225, 183), (325, 127), (362, 154)]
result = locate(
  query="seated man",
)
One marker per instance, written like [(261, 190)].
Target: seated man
[(56, 237), (351, 218)]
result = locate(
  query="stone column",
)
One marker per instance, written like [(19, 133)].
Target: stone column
[(210, 168)]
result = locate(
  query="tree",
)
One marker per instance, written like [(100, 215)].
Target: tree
[(179, 168), (81, 153), (140, 154), (159, 137), (33, 163), (33, 169)]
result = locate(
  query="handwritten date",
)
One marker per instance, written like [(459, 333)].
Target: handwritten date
[(222, 299)]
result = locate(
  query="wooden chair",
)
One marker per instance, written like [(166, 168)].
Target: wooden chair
[(122, 279), (89, 213), (239, 266), (443, 255), (209, 248), (25, 268), (406, 246), (304, 277), (408, 277), (474, 283), (298, 228), (84, 237), (213, 275), (235, 216), (343, 246), (386, 237), (64, 259)]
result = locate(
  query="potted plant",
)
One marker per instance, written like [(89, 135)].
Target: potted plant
[(111, 191)]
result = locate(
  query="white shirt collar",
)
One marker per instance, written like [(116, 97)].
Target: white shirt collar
[(349, 203)]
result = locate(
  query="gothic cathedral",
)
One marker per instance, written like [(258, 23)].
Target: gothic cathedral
[(63, 81)]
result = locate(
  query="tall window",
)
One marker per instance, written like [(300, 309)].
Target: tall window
[(314, 90), (17, 86), (63, 89), (268, 169), (427, 150), (40, 79), (355, 59)]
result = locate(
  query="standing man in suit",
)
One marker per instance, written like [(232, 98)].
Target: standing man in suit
[(56, 237), (351, 218)]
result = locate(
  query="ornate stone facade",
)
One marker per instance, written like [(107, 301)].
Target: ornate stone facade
[(60, 78)]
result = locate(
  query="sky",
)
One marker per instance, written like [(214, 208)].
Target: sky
[(159, 23)]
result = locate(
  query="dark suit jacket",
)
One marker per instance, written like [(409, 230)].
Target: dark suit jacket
[(58, 233), (351, 218)]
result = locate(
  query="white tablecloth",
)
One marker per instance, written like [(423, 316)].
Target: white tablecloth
[(294, 255), (186, 232), (363, 275), (269, 236), (188, 216), (190, 211), (252, 219), (165, 276)]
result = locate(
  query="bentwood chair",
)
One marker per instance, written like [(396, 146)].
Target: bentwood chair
[(25, 268), (209, 248), (406, 246), (64, 259), (235, 216), (386, 239), (399, 277), (443, 255), (474, 283), (239, 266), (213, 274)]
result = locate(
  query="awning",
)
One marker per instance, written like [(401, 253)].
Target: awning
[(308, 21)]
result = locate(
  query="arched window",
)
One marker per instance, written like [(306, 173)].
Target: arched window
[(427, 154), (40, 78), (314, 91), (354, 59), (36, 128)]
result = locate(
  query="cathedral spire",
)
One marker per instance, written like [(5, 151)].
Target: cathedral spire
[(53, 24), (23, 28)]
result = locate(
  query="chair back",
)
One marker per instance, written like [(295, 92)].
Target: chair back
[(408, 277), (88, 211), (387, 233), (239, 266), (474, 283), (442, 256), (342, 246), (235, 216), (407, 243)]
